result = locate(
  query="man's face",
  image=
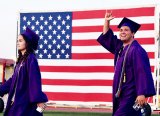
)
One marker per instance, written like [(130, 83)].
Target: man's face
[(125, 34)]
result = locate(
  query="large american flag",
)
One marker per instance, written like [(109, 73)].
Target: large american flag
[(75, 68)]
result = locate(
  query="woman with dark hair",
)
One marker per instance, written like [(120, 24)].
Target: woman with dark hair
[(24, 87)]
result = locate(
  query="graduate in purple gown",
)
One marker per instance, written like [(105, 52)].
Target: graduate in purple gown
[(24, 87), (133, 80)]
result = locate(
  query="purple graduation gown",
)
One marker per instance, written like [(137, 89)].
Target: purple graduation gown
[(28, 91), (139, 79)]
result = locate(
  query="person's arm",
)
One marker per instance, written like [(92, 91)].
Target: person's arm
[(4, 88), (107, 39), (143, 77), (35, 85), (108, 18)]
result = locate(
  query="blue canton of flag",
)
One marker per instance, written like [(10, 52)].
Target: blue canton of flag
[(54, 30)]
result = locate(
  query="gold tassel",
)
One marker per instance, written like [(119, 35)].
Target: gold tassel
[(124, 79)]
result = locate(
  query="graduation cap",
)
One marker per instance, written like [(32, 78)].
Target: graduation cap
[(146, 110), (131, 24), (1, 105), (31, 37)]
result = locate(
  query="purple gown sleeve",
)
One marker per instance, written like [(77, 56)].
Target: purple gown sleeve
[(110, 41), (142, 72), (4, 88), (35, 92)]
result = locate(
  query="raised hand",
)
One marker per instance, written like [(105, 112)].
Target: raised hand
[(108, 16)]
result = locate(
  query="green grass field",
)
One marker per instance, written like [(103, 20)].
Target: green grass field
[(58, 113)]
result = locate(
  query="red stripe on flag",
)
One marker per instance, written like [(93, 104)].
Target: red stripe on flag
[(132, 12), (93, 42), (151, 54), (77, 68), (145, 40), (85, 97), (101, 55), (152, 69), (80, 29), (92, 56), (77, 82), (149, 99)]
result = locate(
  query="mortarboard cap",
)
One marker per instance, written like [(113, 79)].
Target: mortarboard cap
[(146, 110), (1, 105), (131, 24), (32, 37)]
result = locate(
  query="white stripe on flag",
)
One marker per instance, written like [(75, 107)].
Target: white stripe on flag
[(83, 104), (79, 76), (100, 21), (77, 89), (97, 62), (100, 49)]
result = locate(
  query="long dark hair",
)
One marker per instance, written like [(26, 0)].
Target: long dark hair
[(29, 50)]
